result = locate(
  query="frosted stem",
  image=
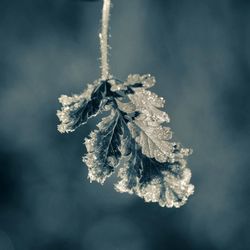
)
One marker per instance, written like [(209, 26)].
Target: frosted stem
[(104, 39)]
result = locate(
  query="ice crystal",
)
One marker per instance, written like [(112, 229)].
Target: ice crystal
[(133, 138)]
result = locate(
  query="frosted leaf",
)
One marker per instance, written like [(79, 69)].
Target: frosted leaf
[(166, 183), (149, 103), (77, 109), (133, 137), (146, 128), (126, 107), (153, 138), (136, 80), (103, 147)]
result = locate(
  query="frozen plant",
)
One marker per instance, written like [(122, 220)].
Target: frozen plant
[(132, 138)]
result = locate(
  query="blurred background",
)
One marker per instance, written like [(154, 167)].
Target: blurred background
[(200, 55)]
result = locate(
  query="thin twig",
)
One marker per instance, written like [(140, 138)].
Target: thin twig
[(104, 35)]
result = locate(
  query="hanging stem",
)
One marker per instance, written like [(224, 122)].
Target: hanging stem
[(104, 35)]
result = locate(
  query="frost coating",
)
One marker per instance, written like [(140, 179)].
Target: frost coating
[(103, 148), (77, 109), (104, 39), (166, 183), (133, 137), (146, 81), (153, 139), (146, 129)]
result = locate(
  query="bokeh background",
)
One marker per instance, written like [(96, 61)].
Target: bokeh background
[(199, 52)]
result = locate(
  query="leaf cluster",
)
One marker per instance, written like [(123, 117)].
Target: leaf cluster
[(133, 138)]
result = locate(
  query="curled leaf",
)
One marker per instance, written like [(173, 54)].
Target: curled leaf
[(166, 183), (133, 138), (77, 109), (103, 151)]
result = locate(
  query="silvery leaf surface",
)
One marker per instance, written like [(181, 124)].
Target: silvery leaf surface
[(133, 138), (147, 128), (103, 147), (136, 81), (166, 183), (149, 104), (153, 139), (77, 109)]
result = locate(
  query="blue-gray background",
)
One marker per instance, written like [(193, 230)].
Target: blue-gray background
[(199, 52)]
